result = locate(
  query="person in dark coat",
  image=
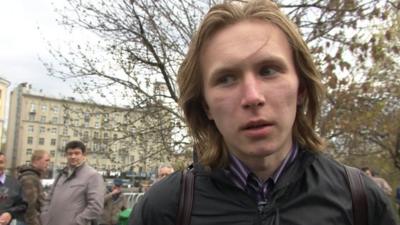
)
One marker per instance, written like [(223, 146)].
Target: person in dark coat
[(11, 204), (251, 95)]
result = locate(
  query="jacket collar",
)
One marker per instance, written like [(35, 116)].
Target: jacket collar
[(28, 170), (70, 172), (292, 172)]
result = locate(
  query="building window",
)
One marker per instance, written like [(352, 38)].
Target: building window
[(31, 117), (55, 109), (53, 153), (53, 141), (44, 108), (65, 131), (115, 136), (54, 120), (95, 134), (41, 141), (29, 151), (86, 124), (42, 129), (86, 117), (86, 136), (105, 135), (97, 125), (95, 147), (54, 130), (76, 133), (116, 117), (66, 120), (106, 120), (33, 107), (30, 129), (30, 140), (98, 117), (64, 142), (43, 119)]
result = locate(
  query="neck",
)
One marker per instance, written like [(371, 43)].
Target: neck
[(36, 168), (76, 166), (265, 167)]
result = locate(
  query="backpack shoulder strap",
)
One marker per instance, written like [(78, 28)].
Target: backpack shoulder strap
[(186, 197), (359, 198)]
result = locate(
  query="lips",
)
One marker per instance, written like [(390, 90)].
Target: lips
[(255, 125), (256, 129)]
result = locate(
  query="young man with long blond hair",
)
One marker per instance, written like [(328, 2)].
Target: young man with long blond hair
[(251, 95)]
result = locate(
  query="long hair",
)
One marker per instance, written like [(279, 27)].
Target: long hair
[(208, 141)]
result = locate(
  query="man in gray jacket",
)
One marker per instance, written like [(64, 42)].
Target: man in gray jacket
[(77, 195)]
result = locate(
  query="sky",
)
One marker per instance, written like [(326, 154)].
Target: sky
[(25, 28)]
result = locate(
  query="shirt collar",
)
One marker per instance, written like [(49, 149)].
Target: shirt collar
[(70, 171), (3, 178), (239, 172)]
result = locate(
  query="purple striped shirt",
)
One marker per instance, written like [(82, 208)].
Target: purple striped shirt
[(243, 177)]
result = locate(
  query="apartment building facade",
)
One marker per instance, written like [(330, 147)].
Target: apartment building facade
[(37, 121)]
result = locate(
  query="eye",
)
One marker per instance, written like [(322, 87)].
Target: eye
[(226, 79), (267, 71)]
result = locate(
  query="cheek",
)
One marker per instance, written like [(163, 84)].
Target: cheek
[(218, 107), (288, 104), (222, 110), (285, 94)]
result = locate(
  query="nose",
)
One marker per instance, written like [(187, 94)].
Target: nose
[(252, 94)]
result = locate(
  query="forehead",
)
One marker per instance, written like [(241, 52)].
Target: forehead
[(260, 38), (165, 169), (74, 151)]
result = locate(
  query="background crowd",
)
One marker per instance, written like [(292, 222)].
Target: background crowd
[(78, 196)]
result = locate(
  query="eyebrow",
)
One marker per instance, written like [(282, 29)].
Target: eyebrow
[(229, 67)]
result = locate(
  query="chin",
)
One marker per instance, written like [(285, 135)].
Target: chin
[(263, 152), (258, 152)]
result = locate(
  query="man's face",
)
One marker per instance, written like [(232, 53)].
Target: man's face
[(164, 171), (117, 188), (2, 164), (74, 157), (43, 163), (368, 172), (251, 88)]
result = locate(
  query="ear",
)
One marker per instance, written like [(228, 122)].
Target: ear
[(206, 110)]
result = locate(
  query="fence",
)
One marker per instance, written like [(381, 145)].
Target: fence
[(133, 198)]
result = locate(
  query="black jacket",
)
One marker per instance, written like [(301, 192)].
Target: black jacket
[(312, 190), (11, 198)]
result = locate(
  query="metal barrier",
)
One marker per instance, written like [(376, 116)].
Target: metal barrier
[(133, 198)]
